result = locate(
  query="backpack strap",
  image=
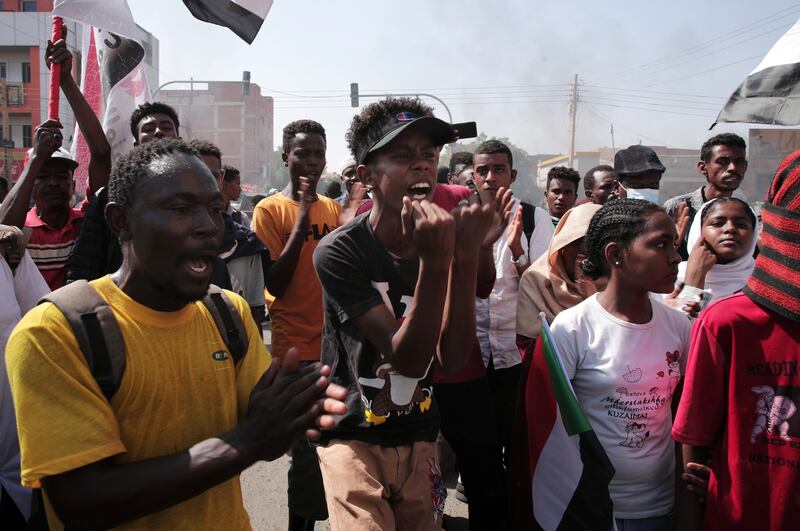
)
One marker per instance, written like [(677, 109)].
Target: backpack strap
[(228, 321), (96, 330), (528, 221)]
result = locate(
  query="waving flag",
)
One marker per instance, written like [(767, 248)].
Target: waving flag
[(243, 17), (771, 93), (560, 472), (114, 81)]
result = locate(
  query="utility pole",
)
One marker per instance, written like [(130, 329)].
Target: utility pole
[(191, 98), (6, 135), (573, 110)]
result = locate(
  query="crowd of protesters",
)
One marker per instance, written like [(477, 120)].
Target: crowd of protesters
[(401, 309)]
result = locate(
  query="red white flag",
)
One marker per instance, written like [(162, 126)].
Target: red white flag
[(114, 81)]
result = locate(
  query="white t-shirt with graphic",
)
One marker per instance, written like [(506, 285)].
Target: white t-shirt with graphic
[(624, 375)]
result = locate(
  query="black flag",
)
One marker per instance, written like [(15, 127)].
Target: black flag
[(243, 17), (771, 93)]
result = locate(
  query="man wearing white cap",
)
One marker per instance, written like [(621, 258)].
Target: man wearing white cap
[(348, 172), (52, 226)]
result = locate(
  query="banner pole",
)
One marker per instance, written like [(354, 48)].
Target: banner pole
[(55, 73)]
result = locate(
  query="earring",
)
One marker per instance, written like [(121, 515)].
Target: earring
[(616, 263)]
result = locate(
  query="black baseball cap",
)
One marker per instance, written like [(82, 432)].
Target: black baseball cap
[(636, 160), (441, 132)]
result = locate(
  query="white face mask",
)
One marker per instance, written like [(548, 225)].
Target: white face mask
[(648, 194)]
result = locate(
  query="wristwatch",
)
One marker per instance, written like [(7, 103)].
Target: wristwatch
[(521, 261)]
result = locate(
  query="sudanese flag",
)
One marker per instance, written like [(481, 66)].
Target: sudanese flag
[(243, 17), (560, 472)]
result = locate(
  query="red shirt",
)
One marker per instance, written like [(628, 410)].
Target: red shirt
[(447, 197), (742, 398), (50, 248)]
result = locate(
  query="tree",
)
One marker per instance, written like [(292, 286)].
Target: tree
[(278, 172), (526, 165)]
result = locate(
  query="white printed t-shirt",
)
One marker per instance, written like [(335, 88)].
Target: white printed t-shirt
[(624, 375)]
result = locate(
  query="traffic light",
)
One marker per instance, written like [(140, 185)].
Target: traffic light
[(353, 94)]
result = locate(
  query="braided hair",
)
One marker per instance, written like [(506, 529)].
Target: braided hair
[(619, 221)]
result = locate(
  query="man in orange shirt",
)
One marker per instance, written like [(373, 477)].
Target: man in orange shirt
[(290, 224)]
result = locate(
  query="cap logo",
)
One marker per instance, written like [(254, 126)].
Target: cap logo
[(405, 117)]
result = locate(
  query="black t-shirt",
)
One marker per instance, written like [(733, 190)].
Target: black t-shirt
[(357, 273)]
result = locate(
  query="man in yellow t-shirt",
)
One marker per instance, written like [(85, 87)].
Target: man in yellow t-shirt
[(166, 452), (291, 224)]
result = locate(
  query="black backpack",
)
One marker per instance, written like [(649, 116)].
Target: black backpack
[(100, 338)]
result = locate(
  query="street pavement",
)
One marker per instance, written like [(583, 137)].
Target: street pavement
[(264, 491)]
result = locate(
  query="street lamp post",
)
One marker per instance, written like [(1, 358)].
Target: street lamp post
[(354, 95)]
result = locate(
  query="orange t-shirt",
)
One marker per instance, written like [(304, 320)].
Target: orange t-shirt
[(297, 315)]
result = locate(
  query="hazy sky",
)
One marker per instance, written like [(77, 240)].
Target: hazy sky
[(659, 71)]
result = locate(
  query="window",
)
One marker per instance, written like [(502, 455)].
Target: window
[(26, 72), (15, 94), (2, 66), (29, 6), (27, 136)]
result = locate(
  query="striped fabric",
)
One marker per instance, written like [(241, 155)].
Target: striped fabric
[(50, 248), (775, 282)]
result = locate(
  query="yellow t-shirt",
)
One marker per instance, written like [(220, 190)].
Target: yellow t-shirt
[(297, 316), (173, 394)]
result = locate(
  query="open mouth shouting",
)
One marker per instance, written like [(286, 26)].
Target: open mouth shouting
[(199, 267), (419, 191)]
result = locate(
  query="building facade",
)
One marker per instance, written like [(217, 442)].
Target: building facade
[(25, 27), (241, 125)]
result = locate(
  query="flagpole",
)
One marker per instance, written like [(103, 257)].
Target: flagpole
[(55, 72)]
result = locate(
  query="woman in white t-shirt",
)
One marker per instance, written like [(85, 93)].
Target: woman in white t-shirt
[(625, 354)]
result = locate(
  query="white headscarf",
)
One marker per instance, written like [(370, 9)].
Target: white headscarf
[(722, 279)]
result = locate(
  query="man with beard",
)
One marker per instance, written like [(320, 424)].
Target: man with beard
[(52, 225), (186, 416), (723, 162), (599, 184)]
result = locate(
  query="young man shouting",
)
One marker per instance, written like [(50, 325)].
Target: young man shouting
[(398, 284), (166, 449)]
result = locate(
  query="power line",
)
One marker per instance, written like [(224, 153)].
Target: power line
[(649, 98), (728, 35), (634, 102), (649, 110), (668, 67), (600, 116), (467, 88), (659, 83), (622, 89)]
